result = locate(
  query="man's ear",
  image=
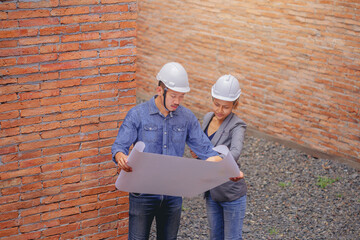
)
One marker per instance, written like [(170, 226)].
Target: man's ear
[(159, 90)]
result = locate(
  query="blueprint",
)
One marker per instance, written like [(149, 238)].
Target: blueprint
[(175, 176)]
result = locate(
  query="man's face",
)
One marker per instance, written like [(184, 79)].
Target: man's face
[(173, 99)]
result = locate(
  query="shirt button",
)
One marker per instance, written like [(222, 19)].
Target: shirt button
[(165, 146), (165, 133)]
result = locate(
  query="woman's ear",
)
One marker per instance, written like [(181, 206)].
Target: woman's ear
[(235, 104)]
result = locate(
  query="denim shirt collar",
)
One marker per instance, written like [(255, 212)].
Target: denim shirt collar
[(153, 109)]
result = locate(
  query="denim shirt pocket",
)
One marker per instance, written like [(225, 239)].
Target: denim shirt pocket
[(151, 133), (178, 133)]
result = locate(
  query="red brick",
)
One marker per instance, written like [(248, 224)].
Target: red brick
[(38, 22), (22, 156), (20, 122), (109, 8), (69, 11), (60, 213), (38, 162), (80, 186), (66, 47), (8, 232), (118, 34), (60, 84), (61, 197), (80, 105), (60, 132), (78, 202), (39, 111), (99, 44), (19, 173), (18, 70), (40, 127), (79, 233), (38, 226), (78, 154), (59, 165), (77, 218), (8, 98), (10, 183), (80, 37), (42, 94), (77, 55), (18, 88), (116, 69), (7, 150), (39, 40), (28, 14), (61, 116), (7, 6), (80, 121), (61, 229), (62, 181), (38, 77), (59, 66), (8, 24), (39, 4), (36, 59), (9, 199), (18, 33), (103, 26), (80, 19), (79, 73), (117, 17), (7, 207), (117, 52), (9, 132), (38, 144), (31, 187), (98, 62), (57, 30), (41, 193), (8, 43), (18, 51)]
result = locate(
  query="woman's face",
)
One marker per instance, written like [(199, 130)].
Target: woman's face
[(222, 108)]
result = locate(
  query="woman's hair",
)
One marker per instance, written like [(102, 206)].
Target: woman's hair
[(235, 103)]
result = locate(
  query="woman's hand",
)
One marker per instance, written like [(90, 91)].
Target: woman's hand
[(235, 179), (214, 159)]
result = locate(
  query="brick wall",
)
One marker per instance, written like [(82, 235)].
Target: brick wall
[(298, 63), (66, 82)]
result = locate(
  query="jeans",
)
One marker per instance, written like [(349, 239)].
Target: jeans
[(143, 209), (226, 218)]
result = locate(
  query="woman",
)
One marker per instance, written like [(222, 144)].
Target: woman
[(226, 203)]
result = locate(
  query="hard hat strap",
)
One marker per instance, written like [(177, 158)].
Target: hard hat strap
[(164, 96)]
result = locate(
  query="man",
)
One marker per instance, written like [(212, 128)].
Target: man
[(164, 126)]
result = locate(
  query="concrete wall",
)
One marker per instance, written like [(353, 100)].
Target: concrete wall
[(298, 63), (67, 70)]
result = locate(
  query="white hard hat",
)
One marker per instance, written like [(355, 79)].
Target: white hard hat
[(226, 88), (174, 76)]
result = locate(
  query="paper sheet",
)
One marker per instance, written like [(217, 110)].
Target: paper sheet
[(175, 176)]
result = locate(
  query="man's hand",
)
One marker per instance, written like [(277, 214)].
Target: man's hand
[(193, 154), (214, 159), (121, 159), (235, 179)]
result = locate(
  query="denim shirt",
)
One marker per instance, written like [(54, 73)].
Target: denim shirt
[(162, 135)]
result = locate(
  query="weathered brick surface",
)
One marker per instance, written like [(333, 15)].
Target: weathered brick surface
[(297, 62), (67, 72)]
